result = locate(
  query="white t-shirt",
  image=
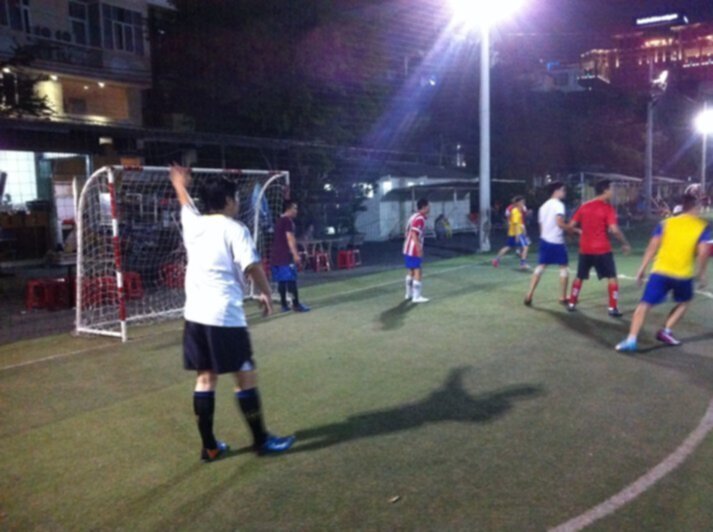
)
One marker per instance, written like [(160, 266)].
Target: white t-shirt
[(549, 230), (219, 251)]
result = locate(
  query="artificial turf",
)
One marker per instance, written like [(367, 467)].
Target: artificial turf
[(469, 412)]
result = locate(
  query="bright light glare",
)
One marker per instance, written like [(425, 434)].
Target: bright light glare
[(483, 12), (704, 122)]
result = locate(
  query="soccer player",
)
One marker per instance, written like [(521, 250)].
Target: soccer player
[(221, 254), (285, 258), (553, 251), (596, 219), (517, 237), (413, 251), (679, 249)]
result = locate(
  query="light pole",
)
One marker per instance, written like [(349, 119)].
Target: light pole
[(485, 15), (658, 88), (704, 125)]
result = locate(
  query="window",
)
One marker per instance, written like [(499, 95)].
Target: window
[(78, 21), (123, 29), (26, 20), (14, 13)]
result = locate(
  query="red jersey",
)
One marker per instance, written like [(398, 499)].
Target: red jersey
[(415, 233), (594, 218)]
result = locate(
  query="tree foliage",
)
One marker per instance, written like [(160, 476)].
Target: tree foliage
[(18, 97)]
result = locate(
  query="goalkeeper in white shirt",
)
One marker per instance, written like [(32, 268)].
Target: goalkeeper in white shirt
[(221, 254), (553, 250)]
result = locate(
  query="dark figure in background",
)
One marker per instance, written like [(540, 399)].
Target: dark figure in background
[(285, 258)]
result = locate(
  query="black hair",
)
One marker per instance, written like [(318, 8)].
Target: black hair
[(689, 202), (288, 204), (518, 199), (215, 192), (602, 186), (421, 203), (554, 187)]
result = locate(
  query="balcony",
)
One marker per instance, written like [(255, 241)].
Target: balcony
[(69, 54)]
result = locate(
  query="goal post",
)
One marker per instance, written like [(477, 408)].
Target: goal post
[(131, 261)]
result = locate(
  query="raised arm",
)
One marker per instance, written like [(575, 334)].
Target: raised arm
[(181, 180)]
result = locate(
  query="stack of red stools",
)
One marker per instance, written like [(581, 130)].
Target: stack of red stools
[(346, 259), (173, 275), (48, 294)]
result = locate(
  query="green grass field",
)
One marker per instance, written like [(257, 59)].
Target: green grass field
[(475, 411)]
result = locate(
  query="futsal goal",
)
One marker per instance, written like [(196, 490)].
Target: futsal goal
[(131, 261)]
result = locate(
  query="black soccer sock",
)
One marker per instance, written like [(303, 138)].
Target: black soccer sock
[(249, 403), (292, 285), (204, 406), (282, 287)]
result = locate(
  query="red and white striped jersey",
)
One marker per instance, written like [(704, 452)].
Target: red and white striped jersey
[(415, 235)]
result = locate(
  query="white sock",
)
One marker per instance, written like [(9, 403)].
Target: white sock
[(409, 286), (416, 289)]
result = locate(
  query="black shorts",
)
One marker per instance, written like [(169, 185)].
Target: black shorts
[(603, 264), (216, 349)]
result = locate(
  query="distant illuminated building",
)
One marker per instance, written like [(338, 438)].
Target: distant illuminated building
[(665, 42)]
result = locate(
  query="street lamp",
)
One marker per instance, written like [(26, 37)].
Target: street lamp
[(704, 125), (473, 13)]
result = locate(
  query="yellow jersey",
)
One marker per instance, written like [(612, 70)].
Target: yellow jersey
[(677, 252), (515, 226)]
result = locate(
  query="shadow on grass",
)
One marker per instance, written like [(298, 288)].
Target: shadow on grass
[(451, 402), (604, 332), (698, 368), (393, 318)]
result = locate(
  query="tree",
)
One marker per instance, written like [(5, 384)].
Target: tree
[(18, 96)]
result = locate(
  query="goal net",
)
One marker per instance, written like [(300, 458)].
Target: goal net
[(131, 261)]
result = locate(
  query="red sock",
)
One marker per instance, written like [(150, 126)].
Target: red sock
[(576, 289), (614, 295)]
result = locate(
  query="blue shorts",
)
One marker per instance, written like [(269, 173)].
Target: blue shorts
[(282, 274), (553, 254), (518, 241), (412, 263), (659, 286)]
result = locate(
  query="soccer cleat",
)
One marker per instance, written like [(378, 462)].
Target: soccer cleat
[(285, 308), (495, 263), (528, 302), (667, 338), (301, 308), (275, 445), (571, 307), (563, 302), (420, 299), (627, 346), (615, 312), (407, 297), (525, 266), (211, 455)]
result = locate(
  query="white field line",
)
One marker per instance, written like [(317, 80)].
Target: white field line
[(703, 293), (645, 482), (134, 341)]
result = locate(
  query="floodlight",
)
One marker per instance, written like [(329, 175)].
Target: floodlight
[(483, 13), (704, 122)]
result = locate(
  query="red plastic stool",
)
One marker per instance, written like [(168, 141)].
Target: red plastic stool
[(321, 262), (133, 286), (38, 294), (173, 275), (61, 290), (99, 291), (345, 259)]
